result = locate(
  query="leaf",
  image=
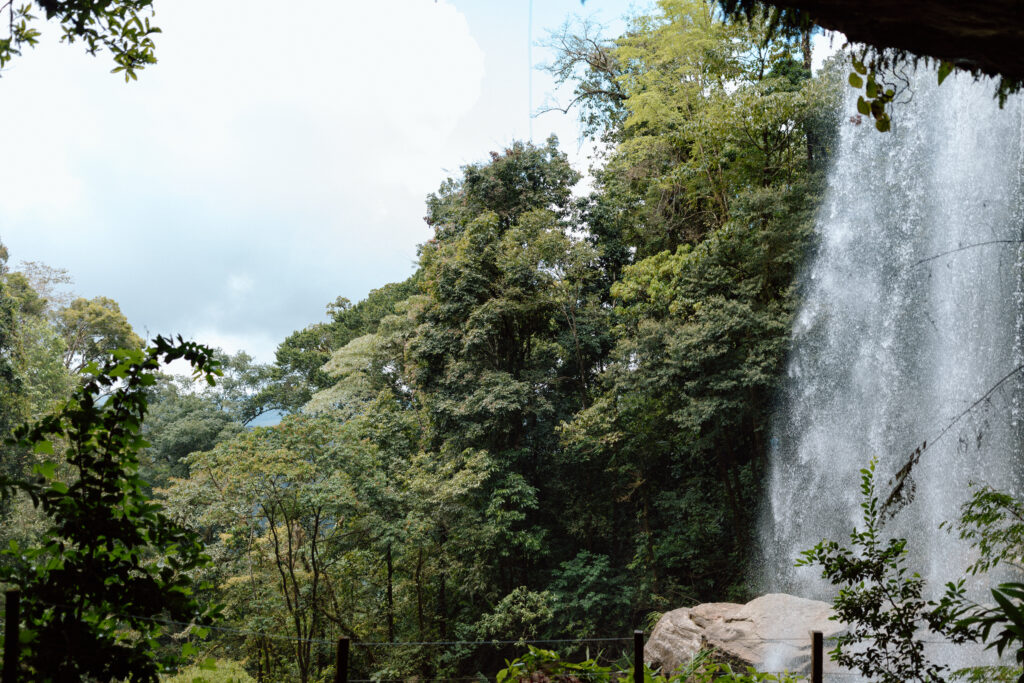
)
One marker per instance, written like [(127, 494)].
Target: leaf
[(859, 66), (945, 68), (856, 81), (863, 107), (46, 469), (44, 447)]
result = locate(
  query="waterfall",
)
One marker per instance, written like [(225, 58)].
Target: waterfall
[(912, 309)]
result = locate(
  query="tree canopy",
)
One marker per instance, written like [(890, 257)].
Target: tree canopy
[(556, 426)]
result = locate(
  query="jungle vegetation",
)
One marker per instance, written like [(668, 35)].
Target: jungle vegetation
[(554, 428)]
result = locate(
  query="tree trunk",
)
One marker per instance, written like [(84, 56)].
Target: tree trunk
[(391, 596)]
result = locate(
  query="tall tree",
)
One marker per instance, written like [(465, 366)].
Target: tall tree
[(298, 370), (507, 347), (92, 328), (712, 186)]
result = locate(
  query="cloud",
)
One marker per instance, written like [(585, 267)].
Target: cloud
[(277, 156), (239, 285), (271, 157)]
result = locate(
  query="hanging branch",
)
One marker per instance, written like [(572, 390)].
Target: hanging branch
[(902, 492)]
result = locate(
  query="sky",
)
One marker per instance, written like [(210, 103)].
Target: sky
[(272, 160)]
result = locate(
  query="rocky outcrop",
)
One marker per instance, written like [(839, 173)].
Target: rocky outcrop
[(770, 633), (977, 35)]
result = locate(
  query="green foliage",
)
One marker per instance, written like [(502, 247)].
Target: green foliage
[(92, 328), (519, 615), (987, 674), (121, 27), (503, 349), (588, 62), (241, 392), (686, 393), (876, 96), (546, 665), (557, 425), (523, 178), (1006, 618), (711, 109), (212, 671), (299, 367), (33, 380), (111, 566), (589, 594), (993, 522), (300, 512), (880, 600), (180, 422)]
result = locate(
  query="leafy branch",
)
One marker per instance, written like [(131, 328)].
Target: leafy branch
[(112, 566), (121, 27)]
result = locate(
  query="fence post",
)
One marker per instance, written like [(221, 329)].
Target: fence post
[(12, 622), (341, 662), (817, 653), (638, 656)]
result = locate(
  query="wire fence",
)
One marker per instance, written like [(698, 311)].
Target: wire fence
[(795, 641)]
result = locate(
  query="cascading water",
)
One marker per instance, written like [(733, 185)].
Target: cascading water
[(913, 309)]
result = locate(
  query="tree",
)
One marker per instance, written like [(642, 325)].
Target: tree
[(32, 375), (298, 370), (242, 392), (92, 328), (121, 27), (281, 502), (712, 187), (523, 178), (589, 62), (487, 354), (180, 422), (712, 109), (112, 566), (39, 349), (12, 407)]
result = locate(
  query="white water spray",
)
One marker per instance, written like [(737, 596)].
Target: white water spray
[(913, 308)]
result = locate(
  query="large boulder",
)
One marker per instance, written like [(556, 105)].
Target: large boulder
[(770, 633)]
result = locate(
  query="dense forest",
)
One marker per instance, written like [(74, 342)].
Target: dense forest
[(554, 428)]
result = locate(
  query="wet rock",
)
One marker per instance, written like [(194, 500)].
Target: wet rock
[(770, 633)]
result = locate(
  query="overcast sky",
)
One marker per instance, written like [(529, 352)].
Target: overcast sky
[(277, 156)]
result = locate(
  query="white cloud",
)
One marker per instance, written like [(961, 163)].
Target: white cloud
[(276, 157), (297, 142), (239, 284)]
